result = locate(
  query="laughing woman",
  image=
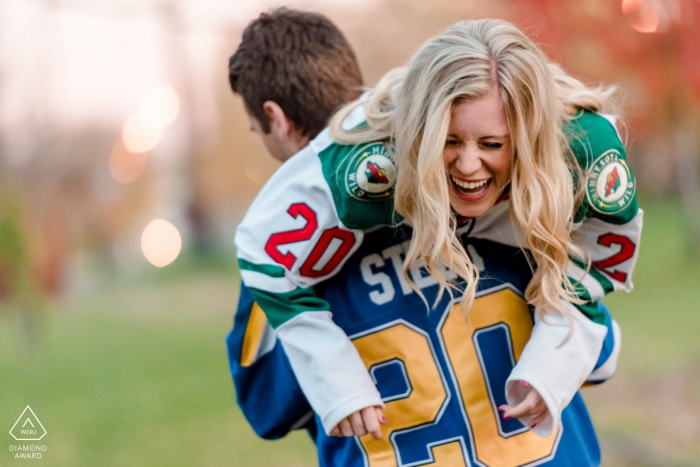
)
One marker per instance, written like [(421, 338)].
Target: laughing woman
[(487, 132)]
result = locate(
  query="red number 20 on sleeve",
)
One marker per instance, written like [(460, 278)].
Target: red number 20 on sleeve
[(305, 233)]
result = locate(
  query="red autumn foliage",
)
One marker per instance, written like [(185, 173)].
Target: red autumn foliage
[(595, 39)]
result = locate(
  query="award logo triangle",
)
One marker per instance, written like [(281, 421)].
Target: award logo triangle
[(28, 427)]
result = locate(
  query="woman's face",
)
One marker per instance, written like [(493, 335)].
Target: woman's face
[(477, 154)]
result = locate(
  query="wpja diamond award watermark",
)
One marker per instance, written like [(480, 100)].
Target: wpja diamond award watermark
[(28, 428)]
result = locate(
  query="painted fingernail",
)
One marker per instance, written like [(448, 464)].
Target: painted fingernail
[(506, 417), (525, 383), (383, 421), (501, 409), (533, 426)]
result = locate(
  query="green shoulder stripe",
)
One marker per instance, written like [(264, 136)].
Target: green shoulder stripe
[(281, 307), (600, 277), (593, 313), (267, 269), (603, 280), (361, 179), (610, 189)]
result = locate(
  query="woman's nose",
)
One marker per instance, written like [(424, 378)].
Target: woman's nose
[(468, 161)]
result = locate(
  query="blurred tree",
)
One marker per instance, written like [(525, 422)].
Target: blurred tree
[(13, 255), (596, 39), (17, 289)]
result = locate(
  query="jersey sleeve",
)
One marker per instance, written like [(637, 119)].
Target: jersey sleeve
[(291, 239), (608, 225), (256, 359), (606, 364), (557, 366), (607, 229)]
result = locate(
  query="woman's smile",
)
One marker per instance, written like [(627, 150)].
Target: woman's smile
[(470, 190)]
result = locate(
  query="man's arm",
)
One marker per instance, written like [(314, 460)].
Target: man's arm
[(266, 389)]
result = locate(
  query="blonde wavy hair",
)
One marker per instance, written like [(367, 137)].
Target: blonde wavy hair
[(411, 107)]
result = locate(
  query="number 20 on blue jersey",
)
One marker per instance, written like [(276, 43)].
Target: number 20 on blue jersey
[(477, 351)]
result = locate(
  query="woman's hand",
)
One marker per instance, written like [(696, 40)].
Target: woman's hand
[(361, 422), (531, 406)]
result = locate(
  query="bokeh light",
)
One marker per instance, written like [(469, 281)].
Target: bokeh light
[(641, 15), (126, 166), (138, 137), (159, 107), (161, 242)]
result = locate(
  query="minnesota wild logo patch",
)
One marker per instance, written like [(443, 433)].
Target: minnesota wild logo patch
[(610, 186), (370, 173)]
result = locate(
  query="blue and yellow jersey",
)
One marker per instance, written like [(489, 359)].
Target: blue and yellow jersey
[(441, 377)]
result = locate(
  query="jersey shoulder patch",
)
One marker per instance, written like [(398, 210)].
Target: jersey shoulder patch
[(610, 186), (610, 189), (361, 178)]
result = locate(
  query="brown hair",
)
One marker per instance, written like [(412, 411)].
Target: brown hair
[(299, 60)]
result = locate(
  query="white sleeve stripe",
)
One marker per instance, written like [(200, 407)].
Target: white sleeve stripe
[(324, 139), (267, 341), (258, 280), (577, 274), (613, 122)]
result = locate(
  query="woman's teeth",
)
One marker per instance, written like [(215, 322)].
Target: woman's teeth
[(471, 187)]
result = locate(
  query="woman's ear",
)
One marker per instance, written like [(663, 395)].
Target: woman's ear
[(280, 124)]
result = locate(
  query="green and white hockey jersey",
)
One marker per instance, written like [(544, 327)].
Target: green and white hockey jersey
[(315, 211)]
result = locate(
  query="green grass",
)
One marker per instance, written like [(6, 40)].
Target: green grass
[(135, 373)]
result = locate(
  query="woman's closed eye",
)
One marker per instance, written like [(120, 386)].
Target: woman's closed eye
[(452, 143), (491, 145)]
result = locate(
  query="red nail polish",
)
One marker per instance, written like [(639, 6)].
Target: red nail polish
[(525, 383), (506, 417), (533, 426), (383, 421), (500, 409)]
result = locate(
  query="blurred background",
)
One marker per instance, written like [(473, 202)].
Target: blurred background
[(126, 164)]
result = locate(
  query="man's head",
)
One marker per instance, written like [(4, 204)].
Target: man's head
[(293, 69)]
